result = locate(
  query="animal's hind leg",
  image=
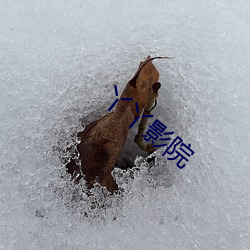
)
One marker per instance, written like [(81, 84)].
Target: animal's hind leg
[(110, 183)]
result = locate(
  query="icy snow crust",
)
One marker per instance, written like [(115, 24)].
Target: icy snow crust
[(58, 64)]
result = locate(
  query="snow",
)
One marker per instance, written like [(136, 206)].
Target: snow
[(58, 65)]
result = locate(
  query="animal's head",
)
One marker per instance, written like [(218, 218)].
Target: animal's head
[(145, 81)]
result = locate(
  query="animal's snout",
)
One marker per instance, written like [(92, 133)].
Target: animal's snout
[(156, 86)]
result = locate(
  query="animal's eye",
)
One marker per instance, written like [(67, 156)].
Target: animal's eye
[(156, 86)]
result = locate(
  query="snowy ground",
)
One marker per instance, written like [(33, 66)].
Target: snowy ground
[(58, 64)]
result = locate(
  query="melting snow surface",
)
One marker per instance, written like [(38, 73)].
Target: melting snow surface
[(58, 64)]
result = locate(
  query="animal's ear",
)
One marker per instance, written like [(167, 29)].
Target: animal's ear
[(132, 82), (141, 63)]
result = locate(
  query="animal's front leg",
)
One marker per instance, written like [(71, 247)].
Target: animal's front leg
[(147, 111)]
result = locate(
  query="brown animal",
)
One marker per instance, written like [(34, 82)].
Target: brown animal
[(102, 140)]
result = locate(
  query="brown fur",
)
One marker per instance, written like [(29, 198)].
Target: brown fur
[(102, 140)]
